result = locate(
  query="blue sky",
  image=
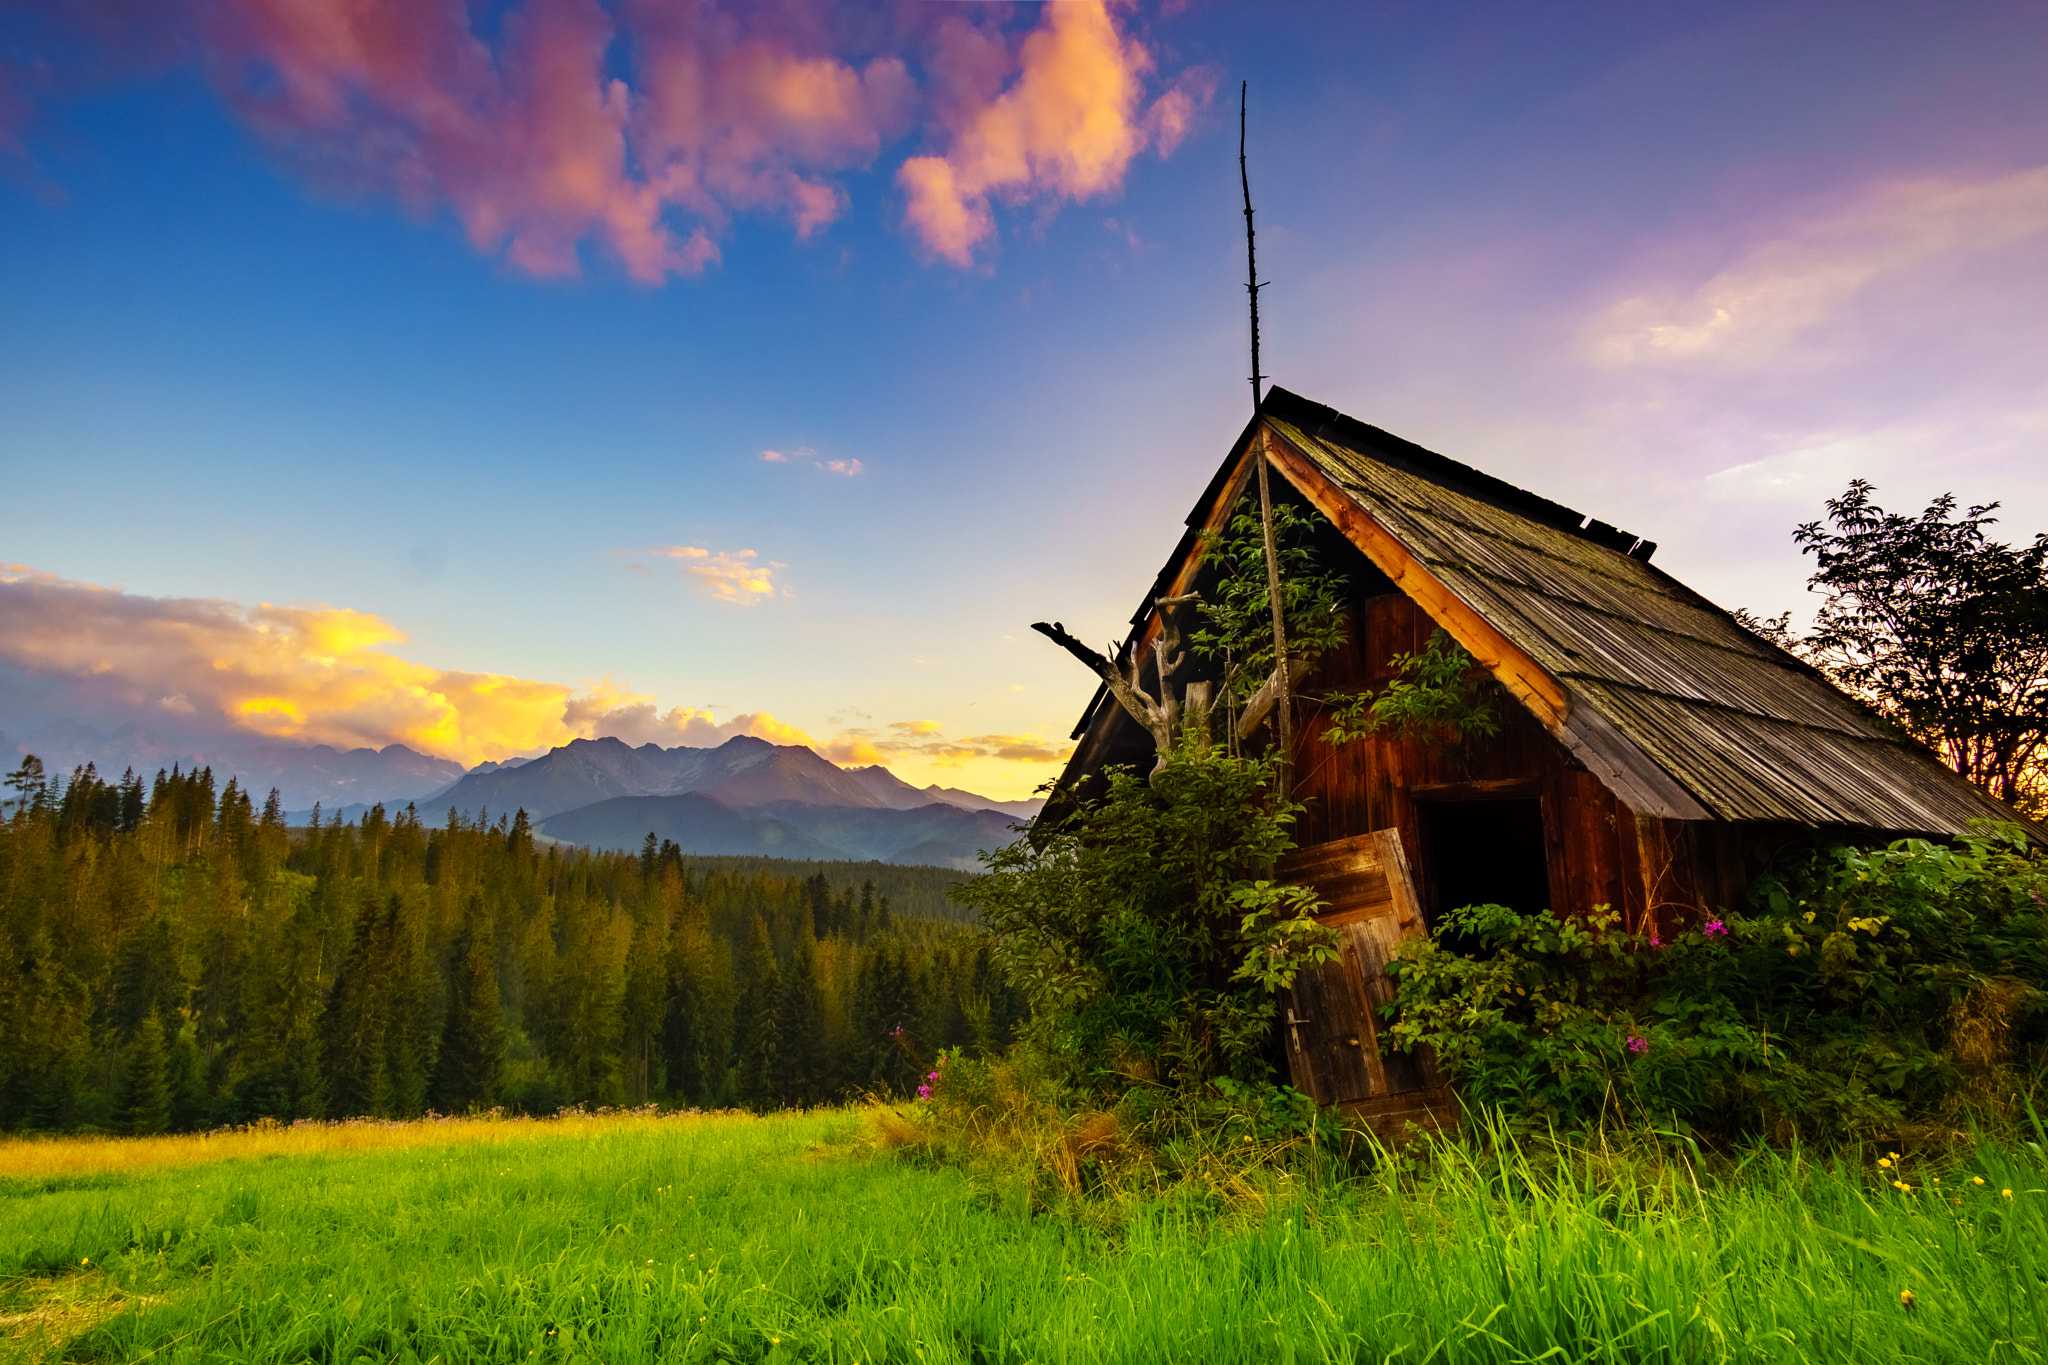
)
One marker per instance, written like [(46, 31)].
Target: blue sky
[(1689, 270)]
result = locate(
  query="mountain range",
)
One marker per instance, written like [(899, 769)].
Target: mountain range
[(747, 796), (743, 771), (301, 773)]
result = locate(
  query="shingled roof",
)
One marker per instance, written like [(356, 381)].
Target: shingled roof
[(1682, 711)]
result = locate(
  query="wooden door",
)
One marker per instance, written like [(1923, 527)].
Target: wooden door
[(1330, 1020)]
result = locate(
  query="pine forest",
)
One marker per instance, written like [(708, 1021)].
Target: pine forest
[(181, 960)]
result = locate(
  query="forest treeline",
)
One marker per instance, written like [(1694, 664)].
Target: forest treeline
[(172, 957)]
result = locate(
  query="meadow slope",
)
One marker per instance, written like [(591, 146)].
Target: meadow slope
[(787, 1237)]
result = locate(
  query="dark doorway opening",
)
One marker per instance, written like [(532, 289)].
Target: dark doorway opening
[(1484, 852)]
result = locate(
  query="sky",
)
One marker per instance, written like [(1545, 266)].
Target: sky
[(481, 376)]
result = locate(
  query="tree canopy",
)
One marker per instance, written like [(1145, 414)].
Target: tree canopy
[(1942, 630)]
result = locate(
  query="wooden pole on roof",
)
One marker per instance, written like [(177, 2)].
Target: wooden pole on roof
[(1251, 255), (1284, 704)]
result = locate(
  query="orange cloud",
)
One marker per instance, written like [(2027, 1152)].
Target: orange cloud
[(1066, 129), (925, 741), (737, 576), (316, 675)]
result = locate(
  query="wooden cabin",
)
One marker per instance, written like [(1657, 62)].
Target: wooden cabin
[(1649, 745)]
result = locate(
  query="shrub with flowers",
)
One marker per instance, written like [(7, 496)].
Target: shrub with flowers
[(1860, 988)]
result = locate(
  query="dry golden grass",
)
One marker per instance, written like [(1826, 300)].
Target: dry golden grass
[(35, 1158), (38, 1316)]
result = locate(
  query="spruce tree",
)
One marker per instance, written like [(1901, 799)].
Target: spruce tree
[(358, 1079), (760, 1041), (473, 1040), (888, 1024), (413, 1017), (144, 1106), (686, 1024), (188, 1081), (800, 1026)]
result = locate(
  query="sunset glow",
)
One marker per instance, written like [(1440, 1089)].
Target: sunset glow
[(481, 378)]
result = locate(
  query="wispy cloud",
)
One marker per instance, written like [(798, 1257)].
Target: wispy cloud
[(737, 576), (1753, 311), (847, 467), (642, 127), (774, 457)]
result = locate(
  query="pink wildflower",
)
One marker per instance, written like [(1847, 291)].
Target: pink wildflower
[(1636, 1044)]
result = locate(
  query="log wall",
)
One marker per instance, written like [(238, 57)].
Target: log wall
[(1661, 872)]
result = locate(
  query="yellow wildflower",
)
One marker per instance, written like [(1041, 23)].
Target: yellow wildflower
[(1906, 1299), (1884, 1162), (2006, 1193), (1977, 1179)]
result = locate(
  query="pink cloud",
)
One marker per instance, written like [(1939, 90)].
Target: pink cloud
[(641, 128)]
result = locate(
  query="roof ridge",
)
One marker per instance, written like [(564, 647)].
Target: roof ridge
[(1315, 420)]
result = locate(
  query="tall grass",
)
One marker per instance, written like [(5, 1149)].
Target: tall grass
[(788, 1237)]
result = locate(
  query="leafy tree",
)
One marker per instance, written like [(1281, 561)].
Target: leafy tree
[(1942, 630), (1144, 929), (1236, 628), (1437, 693)]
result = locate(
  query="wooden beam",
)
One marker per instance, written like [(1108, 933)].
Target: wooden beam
[(1521, 675), (1184, 575), (1259, 706), (1626, 770)]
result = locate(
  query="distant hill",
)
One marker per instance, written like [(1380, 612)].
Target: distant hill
[(698, 823), (741, 771), (301, 773)]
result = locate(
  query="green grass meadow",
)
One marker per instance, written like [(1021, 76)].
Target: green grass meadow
[(794, 1237)]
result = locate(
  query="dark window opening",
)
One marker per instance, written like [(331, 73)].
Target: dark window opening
[(1485, 853)]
